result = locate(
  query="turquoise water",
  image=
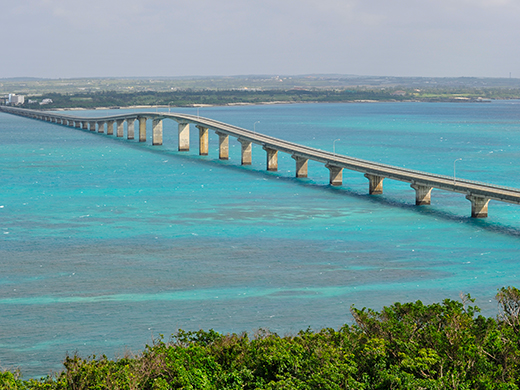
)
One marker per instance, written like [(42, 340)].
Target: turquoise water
[(106, 243)]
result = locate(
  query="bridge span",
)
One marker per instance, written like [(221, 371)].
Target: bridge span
[(479, 194)]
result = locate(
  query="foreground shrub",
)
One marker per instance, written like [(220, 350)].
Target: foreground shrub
[(445, 345)]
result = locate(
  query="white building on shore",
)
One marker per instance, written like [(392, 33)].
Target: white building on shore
[(15, 100)]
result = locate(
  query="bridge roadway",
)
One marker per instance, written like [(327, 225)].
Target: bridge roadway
[(479, 194)]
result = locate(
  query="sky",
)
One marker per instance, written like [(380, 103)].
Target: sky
[(155, 38)]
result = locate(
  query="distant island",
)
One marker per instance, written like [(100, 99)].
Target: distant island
[(90, 93)]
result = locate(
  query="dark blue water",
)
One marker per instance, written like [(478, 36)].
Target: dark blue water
[(106, 243)]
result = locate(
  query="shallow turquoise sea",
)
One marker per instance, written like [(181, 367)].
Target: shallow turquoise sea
[(106, 243)]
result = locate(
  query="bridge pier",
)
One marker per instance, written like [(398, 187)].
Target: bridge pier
[(375, 184), (130, 132), (203, 140), (77, 124), (247, 149), (142, 129), (423, 194), (223, 146), (120, 128), (272, 159), (157, 132), (110, 127), (479, 206), (335, 176), (101, 127), (301, 165), (70, 123), (92, 126), (84, 125), (184, 137)]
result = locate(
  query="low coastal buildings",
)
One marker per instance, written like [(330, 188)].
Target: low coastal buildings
[(15, 100)]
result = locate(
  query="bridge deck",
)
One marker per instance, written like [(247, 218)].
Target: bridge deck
[(485, 190)]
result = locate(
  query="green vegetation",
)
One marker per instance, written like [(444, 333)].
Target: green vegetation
[(405, 346), (229, 97), (209, 97), (126, 92)]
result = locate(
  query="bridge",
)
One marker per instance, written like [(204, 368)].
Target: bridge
[(479, 194)]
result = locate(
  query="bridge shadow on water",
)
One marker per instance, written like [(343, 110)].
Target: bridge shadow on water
[(480, 223)]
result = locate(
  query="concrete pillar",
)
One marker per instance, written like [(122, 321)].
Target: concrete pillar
[(301, 165), (336, 175), (84, 125), (272, 159), (223, 146), (479, 206), (92, 126), (130, 132), (422, 194), (120, 128), (375, 184), (101, 127), (203, 140), (247, 149), (70, 122), (184, 137), (110, 127), (77, 124), (142, 129), (157, 132)]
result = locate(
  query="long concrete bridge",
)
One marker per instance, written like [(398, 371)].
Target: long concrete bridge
[(479, 194)]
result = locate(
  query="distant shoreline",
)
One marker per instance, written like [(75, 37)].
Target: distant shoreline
[(269, 103)]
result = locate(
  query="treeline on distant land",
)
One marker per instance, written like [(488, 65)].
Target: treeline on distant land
[(189, 97), (209, 97), (444, 345)]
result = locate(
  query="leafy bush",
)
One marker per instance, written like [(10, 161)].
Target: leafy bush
[(445, 345)]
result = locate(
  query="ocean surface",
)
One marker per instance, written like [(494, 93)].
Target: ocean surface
[(106, 243)]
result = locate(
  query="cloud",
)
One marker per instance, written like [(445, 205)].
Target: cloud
[(60, 38)]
